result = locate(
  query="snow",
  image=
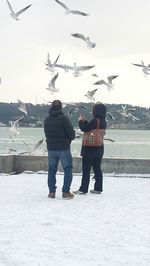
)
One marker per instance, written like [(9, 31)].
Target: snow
[(111, 229)]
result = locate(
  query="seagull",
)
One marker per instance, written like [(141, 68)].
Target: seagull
[(70, 11), (51, 85), (15, 125), (15, 15), (86, 39), (90, 95), (76, 69), (108, 83), (145, 69), (76, 109), (126, 113), (22, 106), (51, 66)]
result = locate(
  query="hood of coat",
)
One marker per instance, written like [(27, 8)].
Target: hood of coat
[(55, 113), (99, 110)]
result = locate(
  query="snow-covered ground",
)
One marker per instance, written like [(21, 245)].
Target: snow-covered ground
[(111, 229)]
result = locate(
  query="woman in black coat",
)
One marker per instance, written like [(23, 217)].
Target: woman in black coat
[(92, 156)]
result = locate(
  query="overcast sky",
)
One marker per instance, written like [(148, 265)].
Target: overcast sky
[(119, 28)]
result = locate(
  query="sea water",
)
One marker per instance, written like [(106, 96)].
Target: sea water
[(127, 143)]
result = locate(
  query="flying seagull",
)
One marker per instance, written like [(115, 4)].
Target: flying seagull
[(90, 94), (51, 85), (70, 11), (76, 69), (126, 112), (145, 69), (22, 106), (51, 66), (14, 14), (85, 39), (108, 83), (76, 109), (15, 125)]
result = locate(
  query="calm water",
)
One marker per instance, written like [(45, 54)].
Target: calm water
[(128, 143)]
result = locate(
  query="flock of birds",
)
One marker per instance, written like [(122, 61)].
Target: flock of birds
[(53, 66)]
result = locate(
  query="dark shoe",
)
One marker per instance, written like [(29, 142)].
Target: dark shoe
[(78, 192), (51, 195), (67, 195), (95, 191)]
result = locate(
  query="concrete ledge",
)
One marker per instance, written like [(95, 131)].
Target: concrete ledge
[(6, 163), (19, 164)]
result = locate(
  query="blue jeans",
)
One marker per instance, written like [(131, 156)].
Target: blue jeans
[(65, 158)]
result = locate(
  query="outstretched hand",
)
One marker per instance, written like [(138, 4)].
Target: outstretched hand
[(81, 117)]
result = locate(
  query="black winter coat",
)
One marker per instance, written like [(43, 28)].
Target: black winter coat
[(58, 130)]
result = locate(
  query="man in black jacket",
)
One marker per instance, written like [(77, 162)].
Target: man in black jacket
[(59, 133)]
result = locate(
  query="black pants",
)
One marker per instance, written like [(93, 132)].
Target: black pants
[(87, 163)]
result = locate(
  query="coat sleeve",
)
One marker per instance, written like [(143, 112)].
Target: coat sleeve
[(69, 129), (87, 126)]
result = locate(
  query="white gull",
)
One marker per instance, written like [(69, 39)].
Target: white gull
[(71, 11), (14, 14), (85, 39)]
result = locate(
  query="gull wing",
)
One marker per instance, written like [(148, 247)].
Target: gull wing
[(78, 35), (71, 110), (26, 144), (62, 4), (22, 106), (64, 66), (93, 92), (138, 65), (142, 62), (82, 68), (52, 82), (82, 106), (76, 12), (10, 7), (16, 122), (38, 144), (131, 109), (22, 10), (48, 60), (99, 82), (110, 116), (110, 78), (112, 140), (54, 64), (133, 117)]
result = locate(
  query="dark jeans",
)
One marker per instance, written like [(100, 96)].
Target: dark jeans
[(87, 163), (66, 162)]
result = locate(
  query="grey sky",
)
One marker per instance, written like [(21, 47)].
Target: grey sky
[(119, 28)]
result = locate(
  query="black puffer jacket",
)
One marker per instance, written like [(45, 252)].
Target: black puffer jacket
[(58, 130), (99, 111)]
